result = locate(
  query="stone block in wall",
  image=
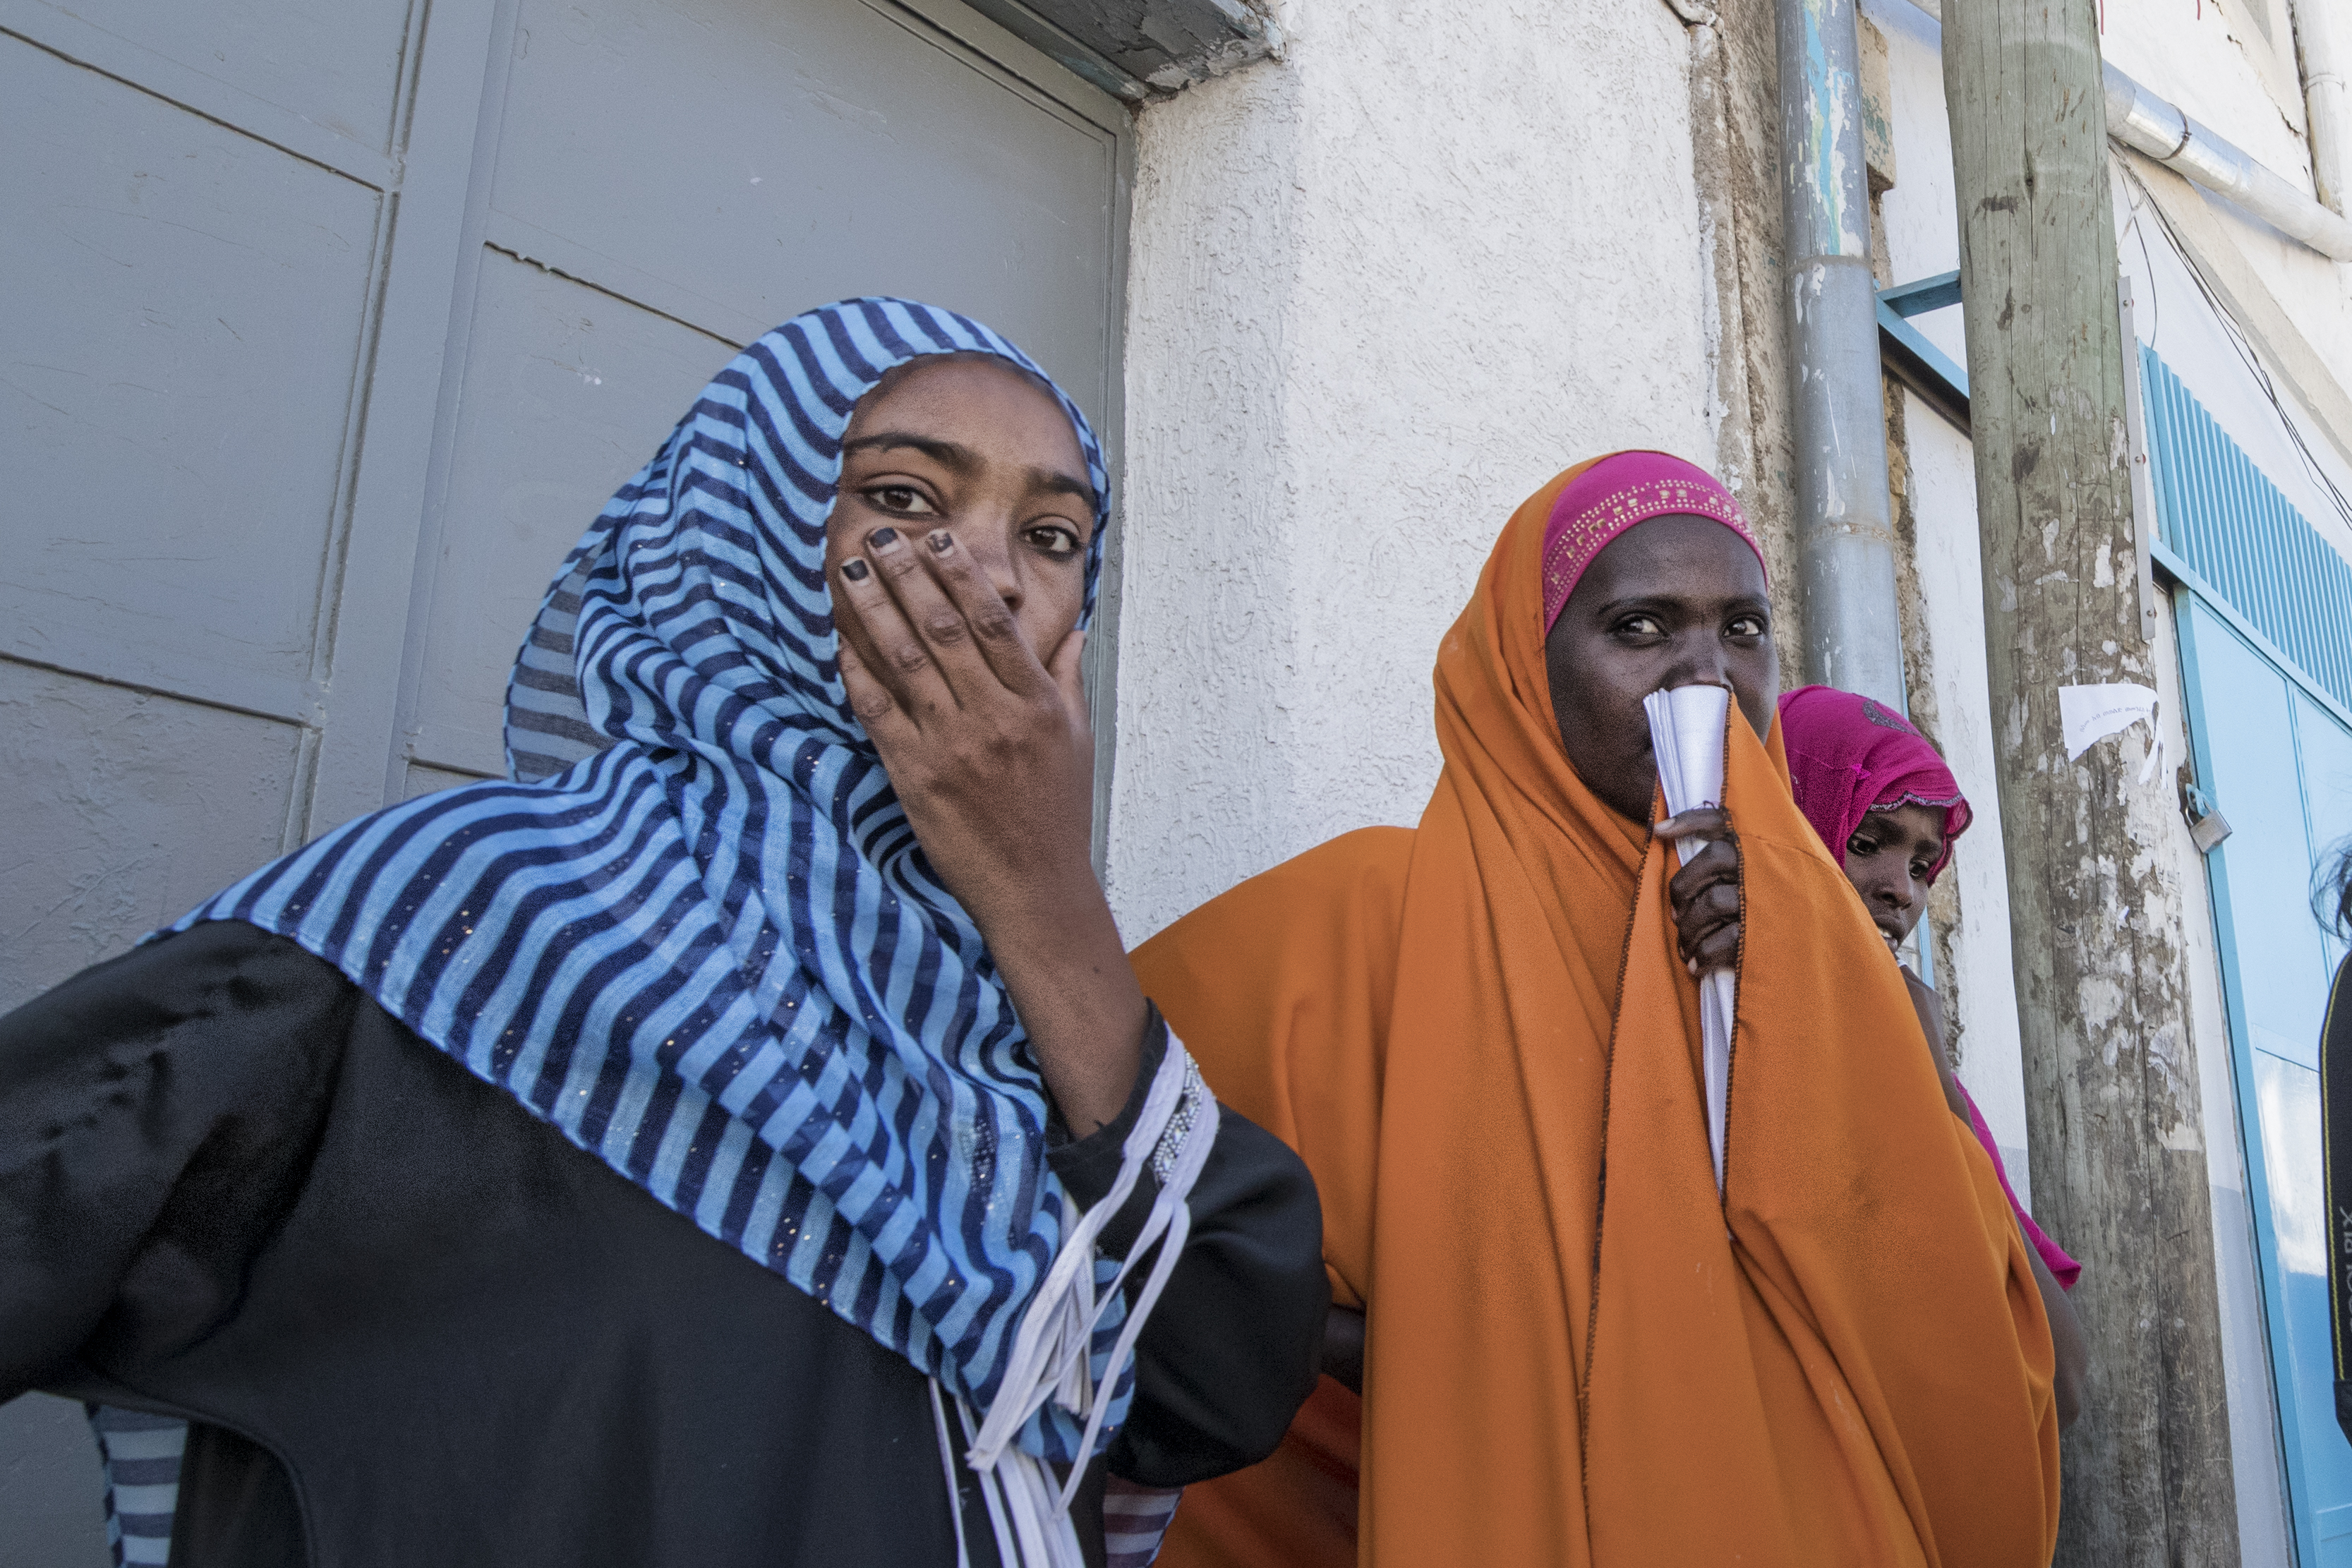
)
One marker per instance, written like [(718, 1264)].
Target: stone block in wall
[(1877, 110)]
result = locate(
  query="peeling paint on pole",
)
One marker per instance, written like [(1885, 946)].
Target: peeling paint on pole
[(1830, 112)]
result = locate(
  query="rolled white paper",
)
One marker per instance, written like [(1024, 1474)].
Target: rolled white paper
[(1687, 733)]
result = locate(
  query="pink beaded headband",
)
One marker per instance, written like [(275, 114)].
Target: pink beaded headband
[(1611, 496)]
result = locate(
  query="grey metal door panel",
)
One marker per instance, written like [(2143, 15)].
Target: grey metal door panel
[(335, 64), (421, 778), (823, 148), (205, 240), (288, 475), (123, 809), (175, 409), (569, 390), (721, 165)]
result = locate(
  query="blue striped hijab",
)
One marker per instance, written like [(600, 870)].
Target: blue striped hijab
[(697, 934)]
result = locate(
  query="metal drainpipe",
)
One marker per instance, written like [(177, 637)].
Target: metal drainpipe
[(1846, 531), (2141, 120), (2147, 123), (2326, 114)]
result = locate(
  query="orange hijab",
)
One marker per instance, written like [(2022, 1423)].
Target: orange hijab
[(1463, 1028)]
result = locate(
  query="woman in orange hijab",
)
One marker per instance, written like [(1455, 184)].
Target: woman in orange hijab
[(1482, 1034)]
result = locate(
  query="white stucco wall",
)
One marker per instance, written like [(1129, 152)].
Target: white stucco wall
[(2228, 64), (1380, 291)]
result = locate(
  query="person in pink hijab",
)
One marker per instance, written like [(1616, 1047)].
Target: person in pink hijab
[(1888, 807)]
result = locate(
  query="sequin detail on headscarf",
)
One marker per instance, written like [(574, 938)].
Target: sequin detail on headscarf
[(1612, 496), (705, 945)]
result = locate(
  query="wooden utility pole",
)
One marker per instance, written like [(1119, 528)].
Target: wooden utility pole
[(2119, 1165)]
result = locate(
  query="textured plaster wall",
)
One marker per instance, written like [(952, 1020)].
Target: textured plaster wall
[(1380, 290)]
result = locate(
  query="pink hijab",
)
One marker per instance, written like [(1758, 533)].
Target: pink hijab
[(1849, 756)]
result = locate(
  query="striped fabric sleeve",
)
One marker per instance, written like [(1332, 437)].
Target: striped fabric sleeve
[(142, 1455), (1135, 1520)]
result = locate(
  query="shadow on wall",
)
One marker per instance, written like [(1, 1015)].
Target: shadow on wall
[(52, 1490)]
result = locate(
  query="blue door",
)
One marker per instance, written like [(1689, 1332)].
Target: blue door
[(2264, 609), (2280, 765)]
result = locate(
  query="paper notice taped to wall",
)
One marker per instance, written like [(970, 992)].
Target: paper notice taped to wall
[(2089, 714)]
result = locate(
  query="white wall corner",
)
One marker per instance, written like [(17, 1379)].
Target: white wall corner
[(1363, 325)]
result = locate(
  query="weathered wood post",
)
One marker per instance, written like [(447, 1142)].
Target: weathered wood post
[(2119, 1164)]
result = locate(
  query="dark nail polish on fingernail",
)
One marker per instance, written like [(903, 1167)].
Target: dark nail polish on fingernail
[(883, 538), (942, 542), (854, 569)]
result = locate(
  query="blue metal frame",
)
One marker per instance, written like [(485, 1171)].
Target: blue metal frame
[(2242, 1054), (1898, 304), (2221, 515), (2169, 563), (1917, 298)]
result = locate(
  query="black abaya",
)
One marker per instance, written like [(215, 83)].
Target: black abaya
[(410, 1323)]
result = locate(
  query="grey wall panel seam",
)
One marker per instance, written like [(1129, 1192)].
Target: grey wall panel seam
[(359, 769), (574, 264), (449, 395), (326, 606), (278, 715), (1102, 698), (78, 43)]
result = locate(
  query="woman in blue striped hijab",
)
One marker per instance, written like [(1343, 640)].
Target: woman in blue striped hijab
[(784, 921)]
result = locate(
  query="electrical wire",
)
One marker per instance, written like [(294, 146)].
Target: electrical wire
[(2146, 264), (2239, 340)]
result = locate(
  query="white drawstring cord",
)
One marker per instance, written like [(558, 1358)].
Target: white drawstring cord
[(947, 1464), (1171, 1222), (1051, 1350)]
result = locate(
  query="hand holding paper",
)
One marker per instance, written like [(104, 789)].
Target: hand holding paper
[(1686, 734)]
